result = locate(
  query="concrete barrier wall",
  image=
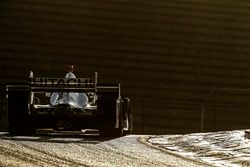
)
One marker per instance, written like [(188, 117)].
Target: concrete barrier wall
[(185, 64)]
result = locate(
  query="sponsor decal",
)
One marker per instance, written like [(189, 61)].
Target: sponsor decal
[(62, 82)]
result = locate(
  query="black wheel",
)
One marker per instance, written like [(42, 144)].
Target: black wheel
[(125, 125), (113, 132), (18, 111), (107, 106)]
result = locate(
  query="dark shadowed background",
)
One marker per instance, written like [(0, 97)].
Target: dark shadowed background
[(184, 63)]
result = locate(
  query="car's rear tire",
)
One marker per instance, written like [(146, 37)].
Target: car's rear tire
[(107, 106), (18, 111), (125, 125)]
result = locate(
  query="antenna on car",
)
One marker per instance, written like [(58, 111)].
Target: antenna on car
[(96, 78)]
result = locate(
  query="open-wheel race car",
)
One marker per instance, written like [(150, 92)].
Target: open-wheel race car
[(68, 104)]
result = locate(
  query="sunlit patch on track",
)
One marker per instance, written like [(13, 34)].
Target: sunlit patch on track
[(226, 148)]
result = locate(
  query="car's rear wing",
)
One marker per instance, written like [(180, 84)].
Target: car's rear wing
[(62, 84), (43, 84)]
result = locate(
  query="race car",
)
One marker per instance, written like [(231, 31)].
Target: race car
[(68, 104)]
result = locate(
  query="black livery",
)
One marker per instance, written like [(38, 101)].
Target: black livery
[(68, 104)]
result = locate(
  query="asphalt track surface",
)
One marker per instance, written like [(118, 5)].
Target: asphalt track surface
[(68, 149)]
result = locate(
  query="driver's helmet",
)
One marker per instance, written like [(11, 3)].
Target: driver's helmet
[(69, 68)]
